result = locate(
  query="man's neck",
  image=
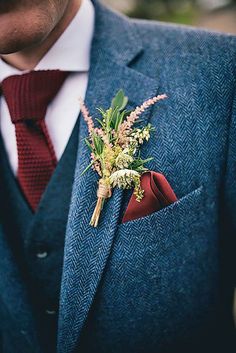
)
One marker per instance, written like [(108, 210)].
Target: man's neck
[(30, 57)]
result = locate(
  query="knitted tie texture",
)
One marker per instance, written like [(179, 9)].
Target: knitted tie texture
[(28, 97)]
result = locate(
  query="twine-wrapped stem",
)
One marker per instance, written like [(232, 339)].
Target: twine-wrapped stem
[(103, 193)]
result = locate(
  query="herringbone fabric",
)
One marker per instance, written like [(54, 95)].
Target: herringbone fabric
[(164, 282), (27, 97)]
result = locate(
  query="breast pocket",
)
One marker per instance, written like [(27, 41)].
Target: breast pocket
[(181, 233), (163, 268), (166, 227)]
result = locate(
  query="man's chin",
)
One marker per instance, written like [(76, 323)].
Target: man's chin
[(18, 31), (12, 45)]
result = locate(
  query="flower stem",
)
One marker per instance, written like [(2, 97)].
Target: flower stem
[(103, 193), (97, 212)]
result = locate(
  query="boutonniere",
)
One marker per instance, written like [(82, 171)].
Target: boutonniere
[(115, 148)]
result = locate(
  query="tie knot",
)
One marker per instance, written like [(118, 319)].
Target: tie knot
[(28, 95)]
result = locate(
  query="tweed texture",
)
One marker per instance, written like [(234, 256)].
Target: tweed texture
[(27, 97), (162, 283)]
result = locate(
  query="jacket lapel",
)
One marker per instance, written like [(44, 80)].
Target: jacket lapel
[(87, 249)]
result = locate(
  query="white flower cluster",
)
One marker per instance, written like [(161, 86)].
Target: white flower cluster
[(140, 135), (124, 159), (124, 178)]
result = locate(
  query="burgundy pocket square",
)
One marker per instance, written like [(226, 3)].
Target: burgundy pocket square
[(157, 195)]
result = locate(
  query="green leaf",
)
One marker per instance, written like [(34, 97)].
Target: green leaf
[(101, 111), (138, 164), (119, 101), (114, 115), (125, 102), (141, 169), (87, 168), (99, 121), (147, 160), (119, 120), (98, 144), (88, 144)]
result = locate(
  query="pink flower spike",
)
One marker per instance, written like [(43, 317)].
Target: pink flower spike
[(87, 118), (130, 120), (139, 110)]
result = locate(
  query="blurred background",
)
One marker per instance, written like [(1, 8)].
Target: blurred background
[(219, 15)]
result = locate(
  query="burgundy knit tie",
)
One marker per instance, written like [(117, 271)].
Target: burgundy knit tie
[(27, 97)]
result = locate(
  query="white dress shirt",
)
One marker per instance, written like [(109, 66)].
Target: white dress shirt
[(71, 52)]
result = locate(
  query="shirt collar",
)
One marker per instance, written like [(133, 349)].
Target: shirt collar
[(71, 52)]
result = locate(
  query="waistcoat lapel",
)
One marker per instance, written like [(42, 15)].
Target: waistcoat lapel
[(87, 249)]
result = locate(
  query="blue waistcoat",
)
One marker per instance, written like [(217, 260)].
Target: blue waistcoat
[(165, 282), (37, 239)]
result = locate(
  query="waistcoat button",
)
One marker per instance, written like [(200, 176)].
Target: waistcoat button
[(41, 251), (42, 255), (51, 312)]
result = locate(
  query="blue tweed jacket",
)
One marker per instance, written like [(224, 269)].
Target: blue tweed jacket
[(162, 283)]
